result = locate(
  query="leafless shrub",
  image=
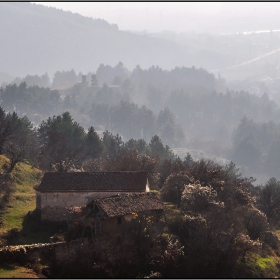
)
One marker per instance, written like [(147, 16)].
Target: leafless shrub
[(197, 198), (153, 275), (255, 222)]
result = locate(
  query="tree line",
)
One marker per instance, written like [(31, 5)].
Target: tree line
[(61, 144), (185, 107), (126, 118)]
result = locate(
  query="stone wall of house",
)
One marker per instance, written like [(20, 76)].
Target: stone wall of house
[(67, 199), (52, 204), (112, 225), (127, 222), (55, 214)]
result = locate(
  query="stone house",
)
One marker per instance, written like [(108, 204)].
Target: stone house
[(117, 213), (59, 190)]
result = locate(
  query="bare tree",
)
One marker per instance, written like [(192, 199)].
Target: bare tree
[(15, 153)]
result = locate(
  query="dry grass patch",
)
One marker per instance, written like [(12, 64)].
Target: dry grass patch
[(16, 271)]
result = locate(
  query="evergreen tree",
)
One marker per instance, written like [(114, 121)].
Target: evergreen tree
[(93, 143)]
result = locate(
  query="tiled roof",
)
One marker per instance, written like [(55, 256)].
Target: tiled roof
[(119, 205), (94, 181)]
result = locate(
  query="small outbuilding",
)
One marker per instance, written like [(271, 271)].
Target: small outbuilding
[(117, 213)]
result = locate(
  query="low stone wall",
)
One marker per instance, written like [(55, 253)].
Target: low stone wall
[(108, 248), (27, 253)]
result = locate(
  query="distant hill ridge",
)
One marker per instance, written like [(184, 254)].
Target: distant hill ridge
[(36, 39)]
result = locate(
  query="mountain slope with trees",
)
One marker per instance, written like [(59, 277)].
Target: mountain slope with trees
[(64, 40)]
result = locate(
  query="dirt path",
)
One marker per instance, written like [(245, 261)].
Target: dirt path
[(249, 61)]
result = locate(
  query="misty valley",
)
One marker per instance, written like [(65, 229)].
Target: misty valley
[(188, 108), (176, 137)]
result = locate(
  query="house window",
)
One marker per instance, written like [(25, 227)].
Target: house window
[(119, 220)]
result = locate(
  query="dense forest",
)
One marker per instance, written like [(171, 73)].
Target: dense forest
[(186, 107), (256, 145)]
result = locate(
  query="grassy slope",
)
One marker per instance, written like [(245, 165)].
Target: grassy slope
[(23, 199), (265, 265), (16, 271)]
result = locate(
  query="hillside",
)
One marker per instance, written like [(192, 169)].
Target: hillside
[(257, 257), (22, 199), (63, 40)]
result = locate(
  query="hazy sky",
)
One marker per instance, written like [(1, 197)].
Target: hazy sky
[(158, 16)]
